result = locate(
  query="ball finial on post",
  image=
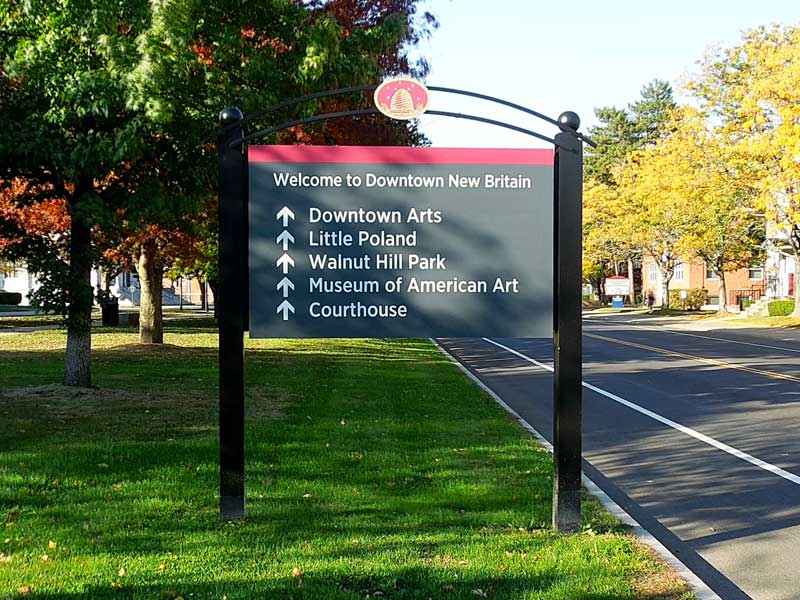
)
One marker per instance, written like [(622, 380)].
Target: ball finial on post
[(230, 115), (569, 121)]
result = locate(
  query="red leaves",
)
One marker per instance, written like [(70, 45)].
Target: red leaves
[(43, 218), (204, 52)]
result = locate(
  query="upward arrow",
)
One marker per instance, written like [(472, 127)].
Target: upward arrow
[(287, 238), (285, 284), (285, 213), (285, 307), (284, 261)]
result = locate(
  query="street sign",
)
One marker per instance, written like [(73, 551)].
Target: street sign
[(618, 286), (404, 242), (400, 242)]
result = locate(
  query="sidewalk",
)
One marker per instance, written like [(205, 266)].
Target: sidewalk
[(689, 322)]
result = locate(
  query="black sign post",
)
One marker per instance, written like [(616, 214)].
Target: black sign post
[(567, 329), (234, 250), (231, 305)]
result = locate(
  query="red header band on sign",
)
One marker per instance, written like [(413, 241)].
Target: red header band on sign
[(400, 155)]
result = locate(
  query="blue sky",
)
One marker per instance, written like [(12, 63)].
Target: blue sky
[(556, 56)]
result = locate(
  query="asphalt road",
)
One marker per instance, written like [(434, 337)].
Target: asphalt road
[(695, 433)]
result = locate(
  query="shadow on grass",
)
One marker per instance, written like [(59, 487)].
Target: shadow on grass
[(404, 583), (372, 465)]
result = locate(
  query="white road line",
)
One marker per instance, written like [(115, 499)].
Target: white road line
[(699, 587), (706, 337), (669, 422)]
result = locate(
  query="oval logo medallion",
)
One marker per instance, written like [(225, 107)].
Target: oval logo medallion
[(401, 98)]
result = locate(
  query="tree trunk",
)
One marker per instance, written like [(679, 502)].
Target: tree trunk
[(723, 294), (108, 276), (214, 285), (150, 272), (632, 295), (78, 356), (203, 295), (665, 294)]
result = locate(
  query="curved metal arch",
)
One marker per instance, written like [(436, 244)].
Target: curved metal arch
[(370, 88), (306, 98), (375, 111), (304, 121), (519, 107)]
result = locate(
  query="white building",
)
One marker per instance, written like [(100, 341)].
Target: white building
[(125, 287), (780, 271), (17, 278)]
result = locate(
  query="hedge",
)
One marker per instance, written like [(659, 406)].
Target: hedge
[(695, 299), (12, 298), (781, 308)]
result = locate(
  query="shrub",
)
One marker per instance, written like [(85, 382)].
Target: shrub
[(781, 308), (695, 299), (10, 298)]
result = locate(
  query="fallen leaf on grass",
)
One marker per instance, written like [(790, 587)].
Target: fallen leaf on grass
[(52, 545), (122, 572), (102, 465), (298, 574), (480, 592), (162, 567), (24, 590), (5, 558), (45, 558)]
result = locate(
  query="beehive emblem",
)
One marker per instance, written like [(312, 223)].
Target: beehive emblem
[(401, 98)]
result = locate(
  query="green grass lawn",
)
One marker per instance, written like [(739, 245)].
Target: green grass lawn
[(375, 470)]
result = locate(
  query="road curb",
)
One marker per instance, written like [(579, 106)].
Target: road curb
[(698, 586)]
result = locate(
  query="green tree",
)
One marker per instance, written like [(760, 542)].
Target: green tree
[(108, 105), (624, 130)]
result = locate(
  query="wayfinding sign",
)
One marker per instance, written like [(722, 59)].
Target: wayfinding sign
[(618, 286), (355, 241)]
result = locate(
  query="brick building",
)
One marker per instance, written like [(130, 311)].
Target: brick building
[(742, 283)]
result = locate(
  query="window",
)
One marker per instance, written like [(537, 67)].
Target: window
[(713, 300), (756, 272), (653, 271), (677, 273), (10, 269), (710, 274)]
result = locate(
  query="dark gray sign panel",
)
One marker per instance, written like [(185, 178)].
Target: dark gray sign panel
[(399, 242)]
